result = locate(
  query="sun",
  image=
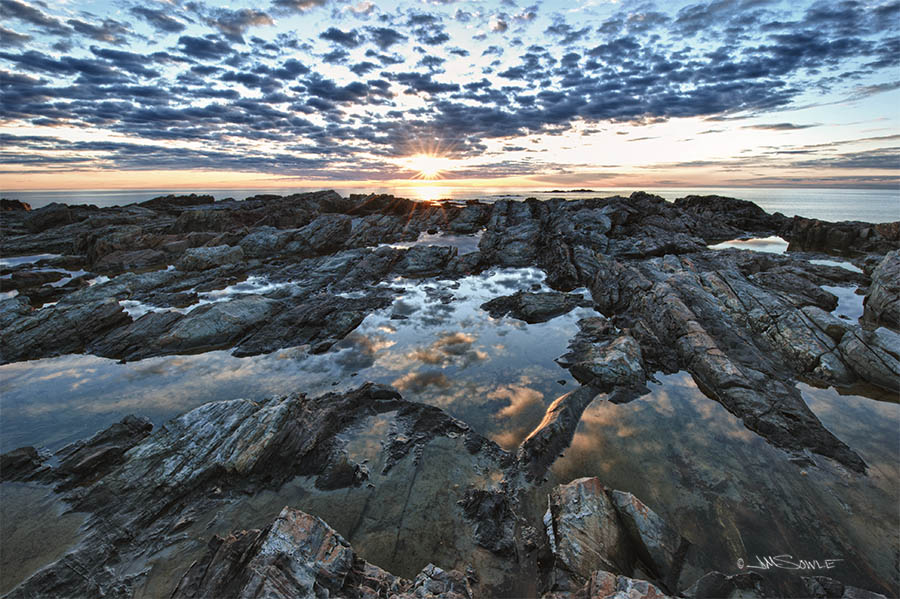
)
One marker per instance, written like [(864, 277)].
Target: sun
[(429, 166)]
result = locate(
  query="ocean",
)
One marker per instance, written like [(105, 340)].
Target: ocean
[(868, 205)]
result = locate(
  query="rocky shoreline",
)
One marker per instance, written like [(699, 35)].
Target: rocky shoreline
[(151, 279)]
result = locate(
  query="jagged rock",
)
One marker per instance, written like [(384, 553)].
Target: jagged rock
[(425, 260), (830, 324), (24, 280), (204, 258), (539, 450), (19, 464), (85, 461), (822, 587), (494, 519), (720, 218), (265, 242), (722, 329), (534, 307), (120, 244), (177, 201), (797, 287), (323, 319), (323, 235), (753, 585), (714, 585), (298, 555), (745, 326), (882, 304), (217, 219), (60, 329), (661, 549), (606, 585), (606, 365), (12, 309), (585, 532), (646, 225), (470, 219), (513, 233), (14, 206), (218, 325), (434, 583), (80, 462), (593, 528), (873, 355), (124, 260), (140, 502), (50, 216), (136, 340), (816, 235)]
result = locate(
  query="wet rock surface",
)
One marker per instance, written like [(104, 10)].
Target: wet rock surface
[(534, 307), (150, 494), (185, 274), (882, 305)]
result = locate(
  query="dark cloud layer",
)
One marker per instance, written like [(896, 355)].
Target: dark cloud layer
[(206, 80)]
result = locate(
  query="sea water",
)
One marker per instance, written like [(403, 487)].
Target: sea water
[(868, 205)]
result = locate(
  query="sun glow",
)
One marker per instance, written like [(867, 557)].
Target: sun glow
[(429, 166)]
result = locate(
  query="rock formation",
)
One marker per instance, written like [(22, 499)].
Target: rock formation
[(165, 277)]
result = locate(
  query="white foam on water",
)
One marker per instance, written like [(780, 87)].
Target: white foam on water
[(136, 309), (770, 245), (464, 243), (254, 285)]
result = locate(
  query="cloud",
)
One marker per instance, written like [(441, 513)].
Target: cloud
[(9, 38), (234, 23), (778, 126), (462, 16), (109, 30), (158, 19), (204, 48), (14, 9), (361, 68), (417, 382), (297, 5), (127, 61), (423, 82), (521, 400), (450, 348), (431, 62), (878, 159), (348, 39), (498, 24), (32, 60), (625, 68), (566, 33), (385, 37), (290, 69), (364, 8), (427, 29)]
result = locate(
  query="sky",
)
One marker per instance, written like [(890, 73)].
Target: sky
[(100, 94)]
